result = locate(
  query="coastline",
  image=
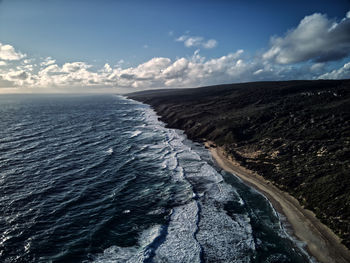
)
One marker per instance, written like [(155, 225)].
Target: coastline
[(320, 241)]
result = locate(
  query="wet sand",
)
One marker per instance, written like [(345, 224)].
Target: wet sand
[(320, 241)]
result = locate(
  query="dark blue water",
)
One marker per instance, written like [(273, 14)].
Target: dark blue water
[(100, 179)]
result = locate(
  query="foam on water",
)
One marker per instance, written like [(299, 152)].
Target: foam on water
[(152, 196), (201, 226), (180, 243), (110, 151), (192, 223), (285, 231), (220, 237), (135, 133), (135, 254), (282, 228)]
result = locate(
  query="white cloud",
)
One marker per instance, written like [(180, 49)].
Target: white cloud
[(316, 38), (341, 73), (72, 74), (193, 41), (20, 75), (8, 52), (75, 67), (183, 72), (181, 38), (17, 78), (155, 65), (48, 61), (177, 69), (211, 43), (193, 71), (196, 41), (157, 72), (148, 74), (28, 67), (107, 68)]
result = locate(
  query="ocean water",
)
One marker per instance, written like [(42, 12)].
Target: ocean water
[(97, 178)]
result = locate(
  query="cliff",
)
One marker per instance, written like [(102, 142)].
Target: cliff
[(294, 133)]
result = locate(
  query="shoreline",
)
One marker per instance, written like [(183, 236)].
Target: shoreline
[(320, 241)]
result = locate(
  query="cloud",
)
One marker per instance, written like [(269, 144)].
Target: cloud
[(21, 75), (195, 41), (317, 67), (341, 73), (69, 74), (183, 72), (8, 52), (158, 72), (27, 67), (107, 68), (316, 38), (27, 61), (46, 62), (211, 43), (14, 77), (148, 74), (314, 41), (75, 67), (127, 76), (177, 69)]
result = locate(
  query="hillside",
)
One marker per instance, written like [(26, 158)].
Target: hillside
[(295, 134)]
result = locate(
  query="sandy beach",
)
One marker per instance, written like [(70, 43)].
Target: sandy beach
[(320, 241)]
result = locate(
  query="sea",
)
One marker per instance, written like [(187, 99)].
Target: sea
[(98, 178)]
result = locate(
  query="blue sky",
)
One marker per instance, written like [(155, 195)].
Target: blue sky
[(130, 45)]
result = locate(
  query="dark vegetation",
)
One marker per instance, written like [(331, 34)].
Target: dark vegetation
[(295, 134)]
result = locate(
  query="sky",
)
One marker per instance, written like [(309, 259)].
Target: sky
[(128, 45)]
